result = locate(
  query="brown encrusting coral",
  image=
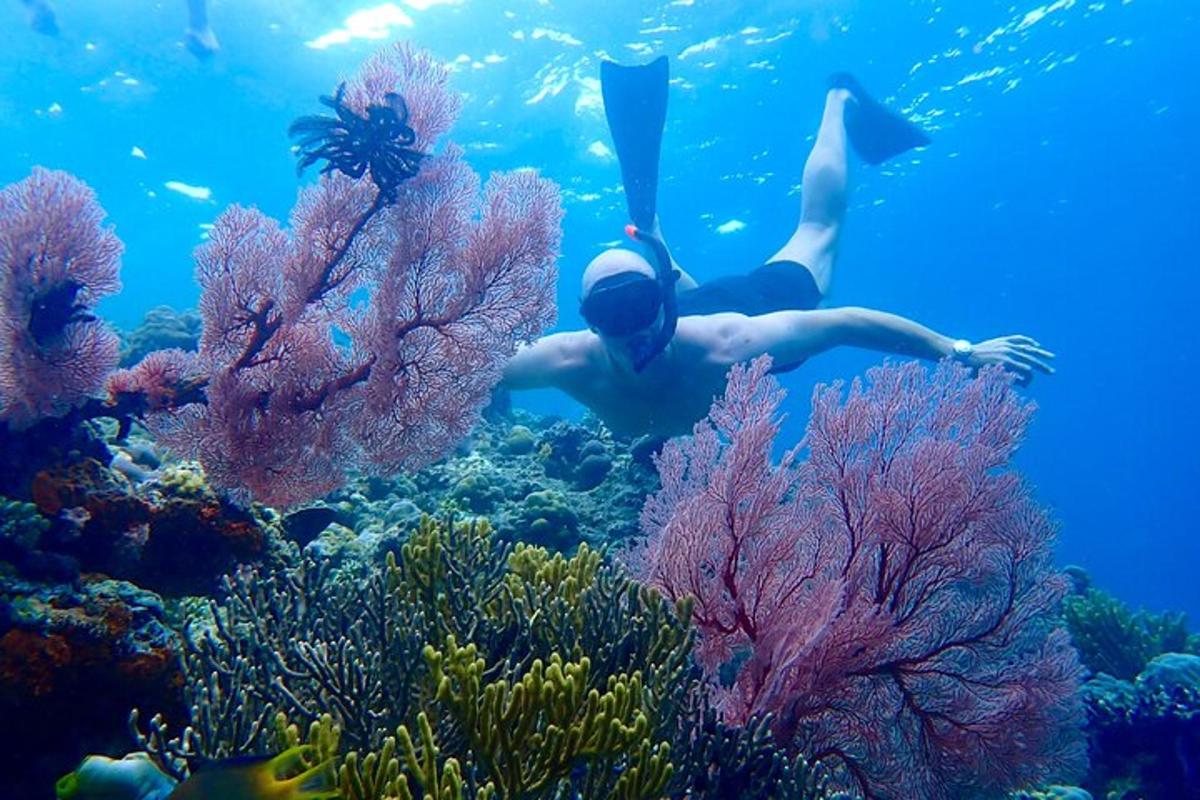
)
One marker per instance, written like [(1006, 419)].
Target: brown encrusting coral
[(72, 658), (172, 542)]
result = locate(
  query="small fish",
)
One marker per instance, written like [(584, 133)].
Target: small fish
[(262, 779), (307, 524), (286, 776)]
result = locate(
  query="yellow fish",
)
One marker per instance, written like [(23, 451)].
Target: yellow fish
[(286, 776)]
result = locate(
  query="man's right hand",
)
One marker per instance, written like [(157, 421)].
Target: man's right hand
[(1020, 354)]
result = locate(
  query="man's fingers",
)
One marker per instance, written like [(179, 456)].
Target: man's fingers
[(1037, 351), (1024, 356), (1016, 365), (1024, 373), (1022, 339), (1039, 364)]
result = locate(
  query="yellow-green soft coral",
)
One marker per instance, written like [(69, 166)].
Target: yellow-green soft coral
[(534, 567), (452, 569), (533, 730), (386, 775), (545, 592)]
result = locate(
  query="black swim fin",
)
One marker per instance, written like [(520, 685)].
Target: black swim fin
[(876, 133), (635, 102)]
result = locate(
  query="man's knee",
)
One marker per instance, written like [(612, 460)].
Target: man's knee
[(815, 239)]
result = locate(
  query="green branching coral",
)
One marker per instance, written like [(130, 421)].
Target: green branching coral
[(578, 607), (452, 570), (394, 771), (305, 642), (715, 762), (463, 669), (530, 732), (1115, 640)]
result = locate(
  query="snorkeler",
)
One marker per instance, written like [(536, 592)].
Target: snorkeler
[(198, 36), (659, 345)]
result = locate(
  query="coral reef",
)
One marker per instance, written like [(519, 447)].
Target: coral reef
[(509, 485), (747, 762), (309, 643), (547, 520), (890, 599), (480, 490), (290, 388), (519, 441), (535, 730), (575, 455), (21, 530), (1053, 793), (50, 442)]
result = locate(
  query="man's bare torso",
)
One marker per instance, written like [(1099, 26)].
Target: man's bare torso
[(667, 398)]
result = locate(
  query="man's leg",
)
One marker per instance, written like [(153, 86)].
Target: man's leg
[(199, 36), (822, 196)]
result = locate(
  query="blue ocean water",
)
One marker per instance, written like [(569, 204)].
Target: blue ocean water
[(1056, 199)]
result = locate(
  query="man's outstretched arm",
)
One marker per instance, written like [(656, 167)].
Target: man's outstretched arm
[(548, 362), (792, 336)]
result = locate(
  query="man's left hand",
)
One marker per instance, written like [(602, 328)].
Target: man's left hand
[(1020, 354)]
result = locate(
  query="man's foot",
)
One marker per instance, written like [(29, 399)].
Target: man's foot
[(41, 17), (202, 43), (876, 133)]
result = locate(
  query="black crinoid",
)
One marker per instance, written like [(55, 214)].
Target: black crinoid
[(54, 308), (380, 141)]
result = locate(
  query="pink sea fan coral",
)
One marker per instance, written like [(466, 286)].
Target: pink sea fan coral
[(304, 381), (890, 599), (155, 383), (57, 259)]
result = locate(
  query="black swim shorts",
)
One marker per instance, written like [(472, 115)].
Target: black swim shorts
[(775, 286)]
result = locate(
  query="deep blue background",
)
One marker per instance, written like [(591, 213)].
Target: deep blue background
[(1057, 199)]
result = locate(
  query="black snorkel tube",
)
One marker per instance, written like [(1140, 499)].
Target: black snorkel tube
[(666, 276)]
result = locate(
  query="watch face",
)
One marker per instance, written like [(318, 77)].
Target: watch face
[(962, 347)]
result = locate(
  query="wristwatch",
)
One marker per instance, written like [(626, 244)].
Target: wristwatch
[(963, 349)]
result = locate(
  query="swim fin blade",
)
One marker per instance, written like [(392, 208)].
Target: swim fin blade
[(875, 132), (635, 103)]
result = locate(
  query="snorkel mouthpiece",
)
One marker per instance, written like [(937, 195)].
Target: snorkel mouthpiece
[(666, 277)]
